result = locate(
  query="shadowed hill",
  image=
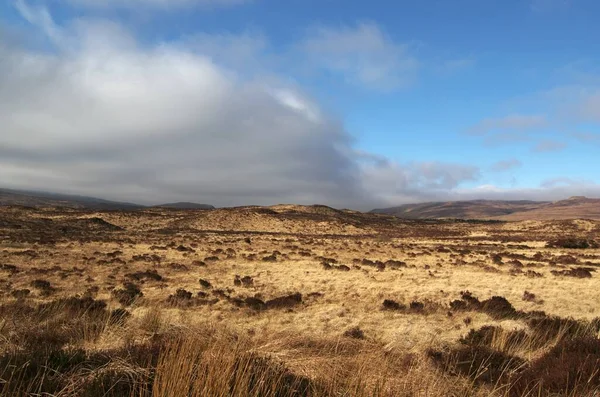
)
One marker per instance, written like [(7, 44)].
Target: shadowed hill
[(38, 199), (572, 208), (186, 206), (46, 199), (474, 209)]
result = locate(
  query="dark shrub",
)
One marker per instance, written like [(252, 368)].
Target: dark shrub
[(147, 275), (481, 337), (458, 305), (545, 329), (284, 301), (390, 304), (20, 293), (528, 296), (485, 336), (355, 333), (255, 303), (479, 363), (578, 272), (119, 316), (533, 274), (498, 307), (471, 301), (572, 242), (417, 307), (571, 368), (205, 283), (128, 294), (41, 284), (181, 297)]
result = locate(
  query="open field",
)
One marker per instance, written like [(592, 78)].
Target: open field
[(295, 301)]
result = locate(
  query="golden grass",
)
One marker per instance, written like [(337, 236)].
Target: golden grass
[(213, 344)]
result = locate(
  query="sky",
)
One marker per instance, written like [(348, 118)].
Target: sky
[(345, 103)]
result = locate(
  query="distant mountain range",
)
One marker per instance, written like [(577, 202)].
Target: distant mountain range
[(45, 199), (574, 207), (186, 206)]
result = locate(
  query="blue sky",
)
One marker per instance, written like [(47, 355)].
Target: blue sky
[(349, 103)]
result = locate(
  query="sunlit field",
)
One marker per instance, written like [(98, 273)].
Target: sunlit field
[(295, 301)]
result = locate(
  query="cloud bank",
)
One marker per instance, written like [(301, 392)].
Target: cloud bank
[(99, 113)]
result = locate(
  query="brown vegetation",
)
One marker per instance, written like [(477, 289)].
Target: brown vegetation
[(294, 301)]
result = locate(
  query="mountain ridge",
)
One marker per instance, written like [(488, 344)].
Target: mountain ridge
[(508, 210), (40, 199), (504, 210)]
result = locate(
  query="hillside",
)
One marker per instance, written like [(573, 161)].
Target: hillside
[(37, 199), (572, 208), (474, 209), (46, 199), (186, 206)]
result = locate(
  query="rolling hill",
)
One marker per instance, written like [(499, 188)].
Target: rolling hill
[(574, 207), (39, 199), (186, 206)]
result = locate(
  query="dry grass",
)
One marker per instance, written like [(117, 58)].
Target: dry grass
[(290, 302)]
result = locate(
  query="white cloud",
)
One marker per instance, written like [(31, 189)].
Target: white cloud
[(451, 66), (506, 165), (546, 146), (364, 55), (513, 122), (102, 115), (162, 4), (587, 137), (181, 121), (417, 181), (549, 5), (590, 108), (551, 190), (39, 16), (249, 49)]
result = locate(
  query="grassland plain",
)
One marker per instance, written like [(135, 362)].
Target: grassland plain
[(295, 301)]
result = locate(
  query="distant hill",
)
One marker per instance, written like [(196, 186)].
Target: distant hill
[(45, 199), (29, 198), (574, 207), (473, 209), (186, 206)]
